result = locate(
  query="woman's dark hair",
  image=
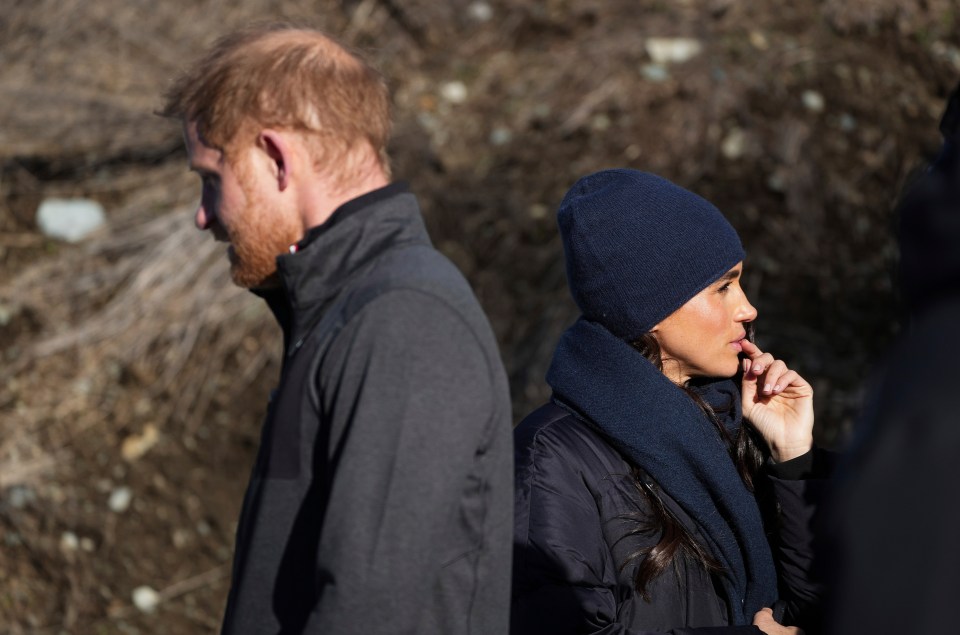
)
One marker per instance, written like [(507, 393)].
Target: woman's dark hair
[(748, 455)]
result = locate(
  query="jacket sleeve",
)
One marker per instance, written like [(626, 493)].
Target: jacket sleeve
[(412, 402), (800, 486), (564, 575)]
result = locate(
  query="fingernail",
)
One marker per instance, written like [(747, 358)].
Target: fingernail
[(777, 388), (766, 388), (758, 369)]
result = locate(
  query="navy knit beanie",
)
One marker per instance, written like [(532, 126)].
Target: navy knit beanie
[(638, 247)]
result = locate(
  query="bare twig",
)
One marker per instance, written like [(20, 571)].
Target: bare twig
[(21, 240)]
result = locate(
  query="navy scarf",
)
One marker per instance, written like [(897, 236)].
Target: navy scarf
[(660, 429)]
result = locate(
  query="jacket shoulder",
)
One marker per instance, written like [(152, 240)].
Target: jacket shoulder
[(553, 442)]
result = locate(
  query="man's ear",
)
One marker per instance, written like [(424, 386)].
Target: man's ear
[(279, 152)]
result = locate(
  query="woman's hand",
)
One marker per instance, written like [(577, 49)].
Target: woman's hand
[(765, 622), (778, 403)]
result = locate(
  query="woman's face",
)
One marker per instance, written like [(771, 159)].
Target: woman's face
[(702, 338)]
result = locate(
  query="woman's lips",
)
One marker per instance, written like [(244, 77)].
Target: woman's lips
[(737, 346)]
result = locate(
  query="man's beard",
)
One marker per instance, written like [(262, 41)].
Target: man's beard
[(261, 236)]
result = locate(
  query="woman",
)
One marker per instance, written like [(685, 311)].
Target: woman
[(643, 504)]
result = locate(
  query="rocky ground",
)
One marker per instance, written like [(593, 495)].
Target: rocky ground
[(133, 376)]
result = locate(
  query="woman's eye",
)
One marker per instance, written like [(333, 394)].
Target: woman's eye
[(724, 288)]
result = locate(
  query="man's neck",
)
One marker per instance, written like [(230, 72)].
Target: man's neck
[(324, 201)]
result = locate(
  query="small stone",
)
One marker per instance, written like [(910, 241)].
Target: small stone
[(733, 145), (656, 73), (813, 101), (672, 50), (69, 541), (538, 211), (776, 182), (500, 136), (136, 445), (848, 123), (146, 599), (180, 538), (83, 386), (480, 11), (600, 123), (6, 314), (87, 545), (759, 41), (19, 496), (454, 92), (71, 220), (120, 500)]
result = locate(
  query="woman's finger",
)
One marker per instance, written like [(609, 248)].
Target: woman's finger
[(762, 363), (750, 349), (772, 377), (777, 383)]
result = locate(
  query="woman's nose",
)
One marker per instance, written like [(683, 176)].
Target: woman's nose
[(746, 312)]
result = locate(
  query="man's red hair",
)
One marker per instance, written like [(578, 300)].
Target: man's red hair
[(289, 77)]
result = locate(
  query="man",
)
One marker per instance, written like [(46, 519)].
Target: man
[(893, 555), (381, 499)]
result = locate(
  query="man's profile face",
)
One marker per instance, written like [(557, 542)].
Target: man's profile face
[(237, 207)]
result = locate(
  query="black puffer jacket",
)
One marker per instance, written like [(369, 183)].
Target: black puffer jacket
[(576, 503)]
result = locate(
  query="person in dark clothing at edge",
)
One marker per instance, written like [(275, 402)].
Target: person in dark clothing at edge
[(644, 503), (893, 548), (381, 499)]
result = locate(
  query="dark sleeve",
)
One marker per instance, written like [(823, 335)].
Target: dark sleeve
[(800, 486), (412, 400), (564, 576)]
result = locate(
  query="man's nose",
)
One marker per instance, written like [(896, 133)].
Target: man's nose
[(201, 218)]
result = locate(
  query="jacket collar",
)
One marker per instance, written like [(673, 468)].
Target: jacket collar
[(332, 254)]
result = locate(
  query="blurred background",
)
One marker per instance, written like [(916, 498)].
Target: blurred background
[(133, 375)]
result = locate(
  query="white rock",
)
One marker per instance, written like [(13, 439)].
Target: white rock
[(454, 92), (501, 136), (146, 599), (812, 100), (672, 50), (69, 541), (480, 11), (733, 144), (120, 499), (6, 314), (71, 220)]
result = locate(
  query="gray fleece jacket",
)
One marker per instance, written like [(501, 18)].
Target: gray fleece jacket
[(381, 499)]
